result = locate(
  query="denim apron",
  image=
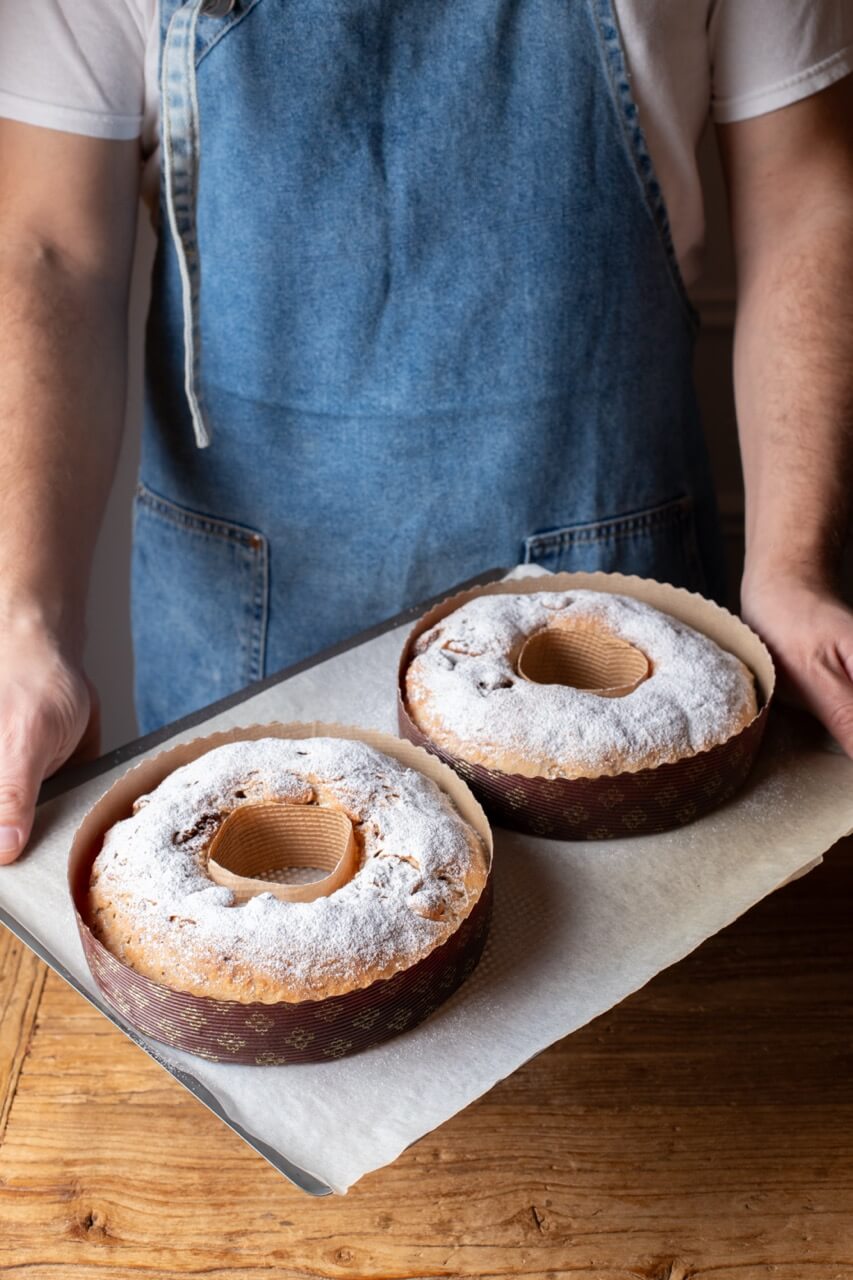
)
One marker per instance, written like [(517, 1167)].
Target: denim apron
[(415, 313)]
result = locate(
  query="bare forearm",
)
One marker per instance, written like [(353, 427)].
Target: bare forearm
[(67, 222), (794, 390), (790, 178), (62, 394)]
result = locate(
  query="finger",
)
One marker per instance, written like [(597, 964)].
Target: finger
[(89, 745), (827, 690), (28, 753), (21, 774)]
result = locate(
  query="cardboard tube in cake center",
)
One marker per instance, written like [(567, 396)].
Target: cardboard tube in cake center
[(584, 656), (271, 836)]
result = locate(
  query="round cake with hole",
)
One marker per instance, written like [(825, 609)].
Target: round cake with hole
[(572, 684), (285, 870)]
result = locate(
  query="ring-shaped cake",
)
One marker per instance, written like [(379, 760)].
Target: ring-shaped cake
[(420, 871), (487, 684)]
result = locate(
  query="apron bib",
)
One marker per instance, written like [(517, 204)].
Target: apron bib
[(415, 297)]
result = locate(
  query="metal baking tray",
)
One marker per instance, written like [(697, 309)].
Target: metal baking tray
[(67, 779)]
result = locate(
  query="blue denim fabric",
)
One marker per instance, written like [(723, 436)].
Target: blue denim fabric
[(437, 326)]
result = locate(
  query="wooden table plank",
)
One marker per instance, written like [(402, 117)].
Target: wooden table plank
[(22, 978), (702, 1128)]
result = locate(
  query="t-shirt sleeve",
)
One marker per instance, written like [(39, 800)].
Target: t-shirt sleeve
[(766, 54), (74, 65)]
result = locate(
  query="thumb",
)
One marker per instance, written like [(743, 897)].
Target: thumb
[(21, 773), (33, 744), (828, 693)]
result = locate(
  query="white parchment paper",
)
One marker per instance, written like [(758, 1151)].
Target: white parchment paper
[(577, 927)]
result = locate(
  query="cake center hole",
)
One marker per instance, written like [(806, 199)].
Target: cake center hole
[(296, 852), (584, 656)]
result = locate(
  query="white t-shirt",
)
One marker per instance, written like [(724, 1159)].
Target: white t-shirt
[(90, 66)]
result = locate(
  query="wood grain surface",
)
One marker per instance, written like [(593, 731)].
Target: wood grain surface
[(704, 1128)]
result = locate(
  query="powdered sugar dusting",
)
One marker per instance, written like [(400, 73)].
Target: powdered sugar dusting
[(463, 688), (419, 876)]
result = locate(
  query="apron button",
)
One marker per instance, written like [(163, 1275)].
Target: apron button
[(217, 8)]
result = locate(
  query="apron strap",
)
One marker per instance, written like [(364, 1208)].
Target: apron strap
[(180, 170)]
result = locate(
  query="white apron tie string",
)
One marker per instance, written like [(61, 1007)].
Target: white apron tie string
[(180, 169)]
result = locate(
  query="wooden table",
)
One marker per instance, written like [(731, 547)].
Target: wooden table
[(702, 1128)]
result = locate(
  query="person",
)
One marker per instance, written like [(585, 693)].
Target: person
[(418, 308)]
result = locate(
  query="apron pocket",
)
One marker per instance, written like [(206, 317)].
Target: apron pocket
[(656, 542), (199, 604)]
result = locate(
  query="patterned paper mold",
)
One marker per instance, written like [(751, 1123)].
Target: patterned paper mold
[(276, 1034), (645, 802)]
